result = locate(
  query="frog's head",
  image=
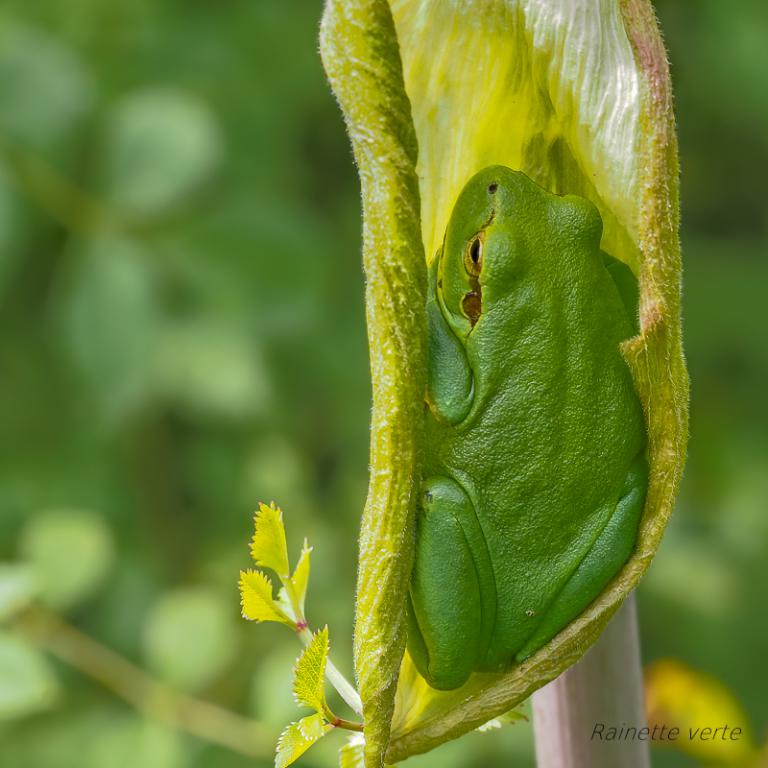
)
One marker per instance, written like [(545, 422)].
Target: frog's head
[(502, 228)]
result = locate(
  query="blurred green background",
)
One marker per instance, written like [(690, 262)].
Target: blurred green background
[(182, 335)]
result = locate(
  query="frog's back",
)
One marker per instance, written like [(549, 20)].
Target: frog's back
[(555, 424)]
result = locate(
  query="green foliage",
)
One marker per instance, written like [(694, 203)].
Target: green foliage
[(28, 684), (135, 741), (47, 90), (309, 673), (210, 369), (108, 321), (69, 552), (17, 588), (161, 145), (99, 738), (298, 737), (189, 637), (269, 550), (256, 598), (268, 547)]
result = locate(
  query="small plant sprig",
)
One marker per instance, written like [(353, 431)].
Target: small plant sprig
[(269, 550)]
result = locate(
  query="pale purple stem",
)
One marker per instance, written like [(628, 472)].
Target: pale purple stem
[(605, 687)]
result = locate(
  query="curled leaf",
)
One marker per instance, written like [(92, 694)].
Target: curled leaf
[(577, 95)]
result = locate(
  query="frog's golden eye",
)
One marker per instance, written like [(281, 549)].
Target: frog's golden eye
[(473, 257)]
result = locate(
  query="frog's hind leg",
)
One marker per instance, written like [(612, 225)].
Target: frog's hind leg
[(452, 605), (609, 552)]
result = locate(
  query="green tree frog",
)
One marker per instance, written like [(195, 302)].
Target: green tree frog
[(534, 468)]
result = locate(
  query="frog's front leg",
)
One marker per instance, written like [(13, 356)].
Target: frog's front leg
[(450, 387), (453, 595), (602, 562)]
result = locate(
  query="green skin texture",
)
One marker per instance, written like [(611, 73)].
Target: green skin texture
[(534, 460)]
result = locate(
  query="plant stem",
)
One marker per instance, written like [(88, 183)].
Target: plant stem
[(149, 696), (343, 687), (605, 687), (349, 725)]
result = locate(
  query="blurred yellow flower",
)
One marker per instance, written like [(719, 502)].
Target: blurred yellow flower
[(712, 725)]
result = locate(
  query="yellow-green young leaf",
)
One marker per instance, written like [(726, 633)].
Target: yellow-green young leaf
[(300, 577), (256, 598), (309, 674), (297, 738), (352, 754), (268, 547)]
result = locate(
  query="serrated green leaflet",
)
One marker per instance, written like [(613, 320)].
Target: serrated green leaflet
[(578, 97), (309, 674), (268, 547), (256, 598), (298, 737)]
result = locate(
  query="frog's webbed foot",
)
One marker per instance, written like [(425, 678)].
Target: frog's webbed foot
[(452, 605), (602, 562), (450, 387)]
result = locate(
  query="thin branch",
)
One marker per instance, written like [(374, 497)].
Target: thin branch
[(150, 697)]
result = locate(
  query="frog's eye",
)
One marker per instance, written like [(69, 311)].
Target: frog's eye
[(473, 257)]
